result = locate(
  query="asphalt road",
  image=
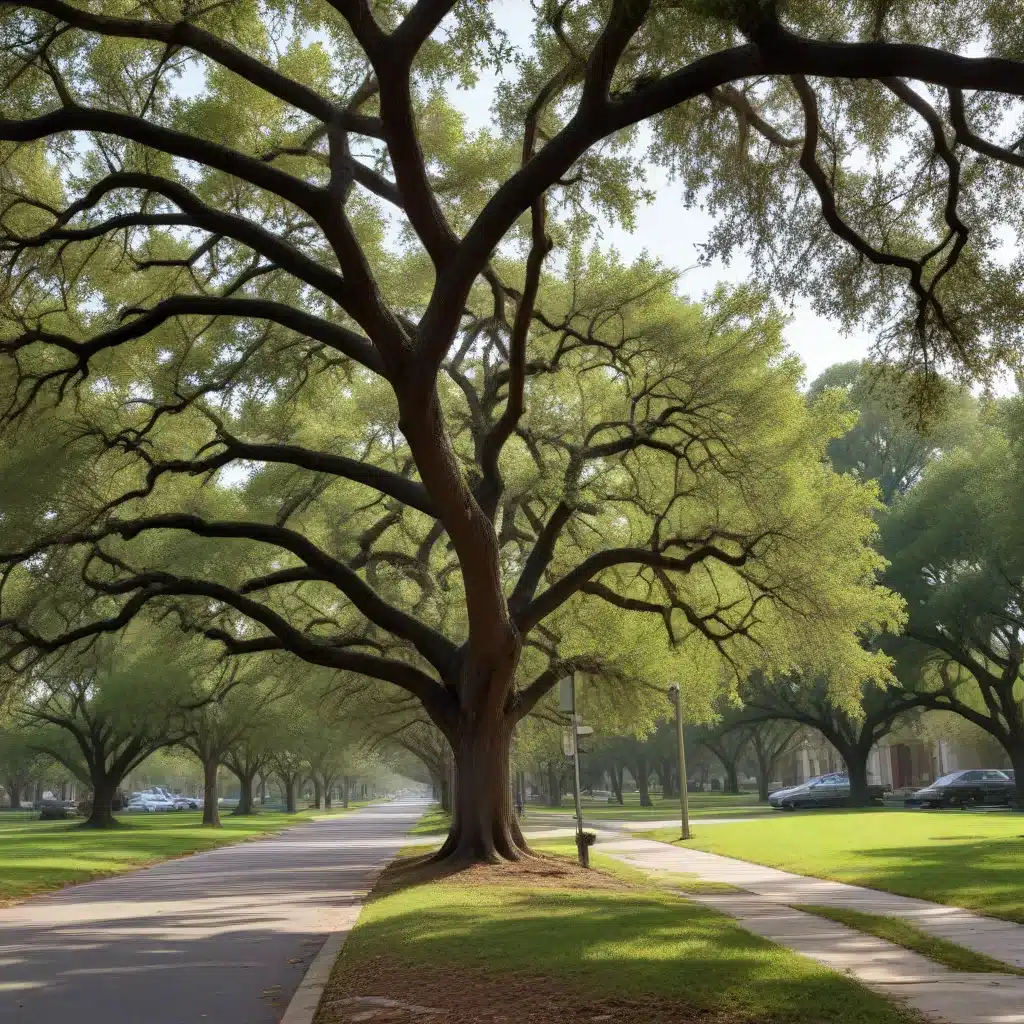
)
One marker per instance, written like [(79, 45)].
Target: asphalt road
[(223, 936)]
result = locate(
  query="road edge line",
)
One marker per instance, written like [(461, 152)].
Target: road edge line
[(304, 1004)]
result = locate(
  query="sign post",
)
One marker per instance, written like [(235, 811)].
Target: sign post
[(684, 804), (576, 764)]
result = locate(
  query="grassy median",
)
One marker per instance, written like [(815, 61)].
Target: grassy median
[(545, 940)]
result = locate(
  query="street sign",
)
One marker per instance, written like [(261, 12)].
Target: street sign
[(584, 730), (567, 743), (565, 701)]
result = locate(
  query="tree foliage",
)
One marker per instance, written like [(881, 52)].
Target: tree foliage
[(957, 555)]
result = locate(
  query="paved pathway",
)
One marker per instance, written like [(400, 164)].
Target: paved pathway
[(764, 908), (223, 936)]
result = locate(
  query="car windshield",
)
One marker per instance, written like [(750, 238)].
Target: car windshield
[(947, 779)]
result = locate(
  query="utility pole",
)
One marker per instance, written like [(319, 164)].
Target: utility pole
[(684, 804)]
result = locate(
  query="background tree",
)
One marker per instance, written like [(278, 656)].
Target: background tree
[(102, 714), (770, 741), (227, 705), (238, 299), (20, 761), (729, 740), (957, 554), (890, 443), (852, 729)]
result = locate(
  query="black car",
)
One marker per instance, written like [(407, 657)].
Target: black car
[(964, 789)]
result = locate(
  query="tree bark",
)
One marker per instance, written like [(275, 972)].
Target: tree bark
[(856, 760), (245, 805), (642, 773), (1017, 760), (344, 791), (554, 786), (318, 793), (263, 789), (102, 815), (14, 789), (616, 774), (446, 795), (732, 778), (484, 823), (764, 772), (211, 809), (288, 785)]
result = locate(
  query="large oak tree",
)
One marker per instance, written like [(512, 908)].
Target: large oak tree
[(257, 237)]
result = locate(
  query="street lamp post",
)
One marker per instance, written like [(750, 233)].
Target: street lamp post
[(684, 804)]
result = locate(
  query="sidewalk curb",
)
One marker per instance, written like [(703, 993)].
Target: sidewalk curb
[(306, 1001)]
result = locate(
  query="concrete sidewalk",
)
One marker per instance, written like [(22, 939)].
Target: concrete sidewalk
[(223, 936), (764, 908)]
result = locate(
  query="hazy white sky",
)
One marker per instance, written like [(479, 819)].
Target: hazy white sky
[(669, 231)]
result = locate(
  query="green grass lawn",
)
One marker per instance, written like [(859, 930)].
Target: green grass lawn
[(966, 859), (509, 943), (903, 933), (434, 822), (701, 805), (37, 856)]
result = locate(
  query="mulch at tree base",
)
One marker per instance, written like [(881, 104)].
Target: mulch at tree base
[(385, 991), (540, 871)]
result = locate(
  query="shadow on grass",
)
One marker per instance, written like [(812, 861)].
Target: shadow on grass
[(612, 943), (985, 875)]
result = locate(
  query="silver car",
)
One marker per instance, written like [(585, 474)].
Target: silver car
[(823, 791)]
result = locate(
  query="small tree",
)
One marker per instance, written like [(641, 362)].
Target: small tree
[(20, 761), (228, 705), (770, 742), (852, 730), (97, 729), (246, 759)]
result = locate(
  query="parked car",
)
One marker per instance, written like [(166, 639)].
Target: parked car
[(149, 801), (179, 802), (972, 787), (824, 791)]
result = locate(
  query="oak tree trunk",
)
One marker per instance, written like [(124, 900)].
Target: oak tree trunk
[(102, 815), (245, 805), (616, 774), (554, 786), (1017, 760), (642, 773), (856, 760), (484, 824), (14, 790), (288, 785), (318, 793), (211, 809), (732, 778), (344, 791), (764, 773)]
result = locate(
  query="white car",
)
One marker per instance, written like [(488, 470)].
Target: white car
[(149, 801), (179, 802)]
